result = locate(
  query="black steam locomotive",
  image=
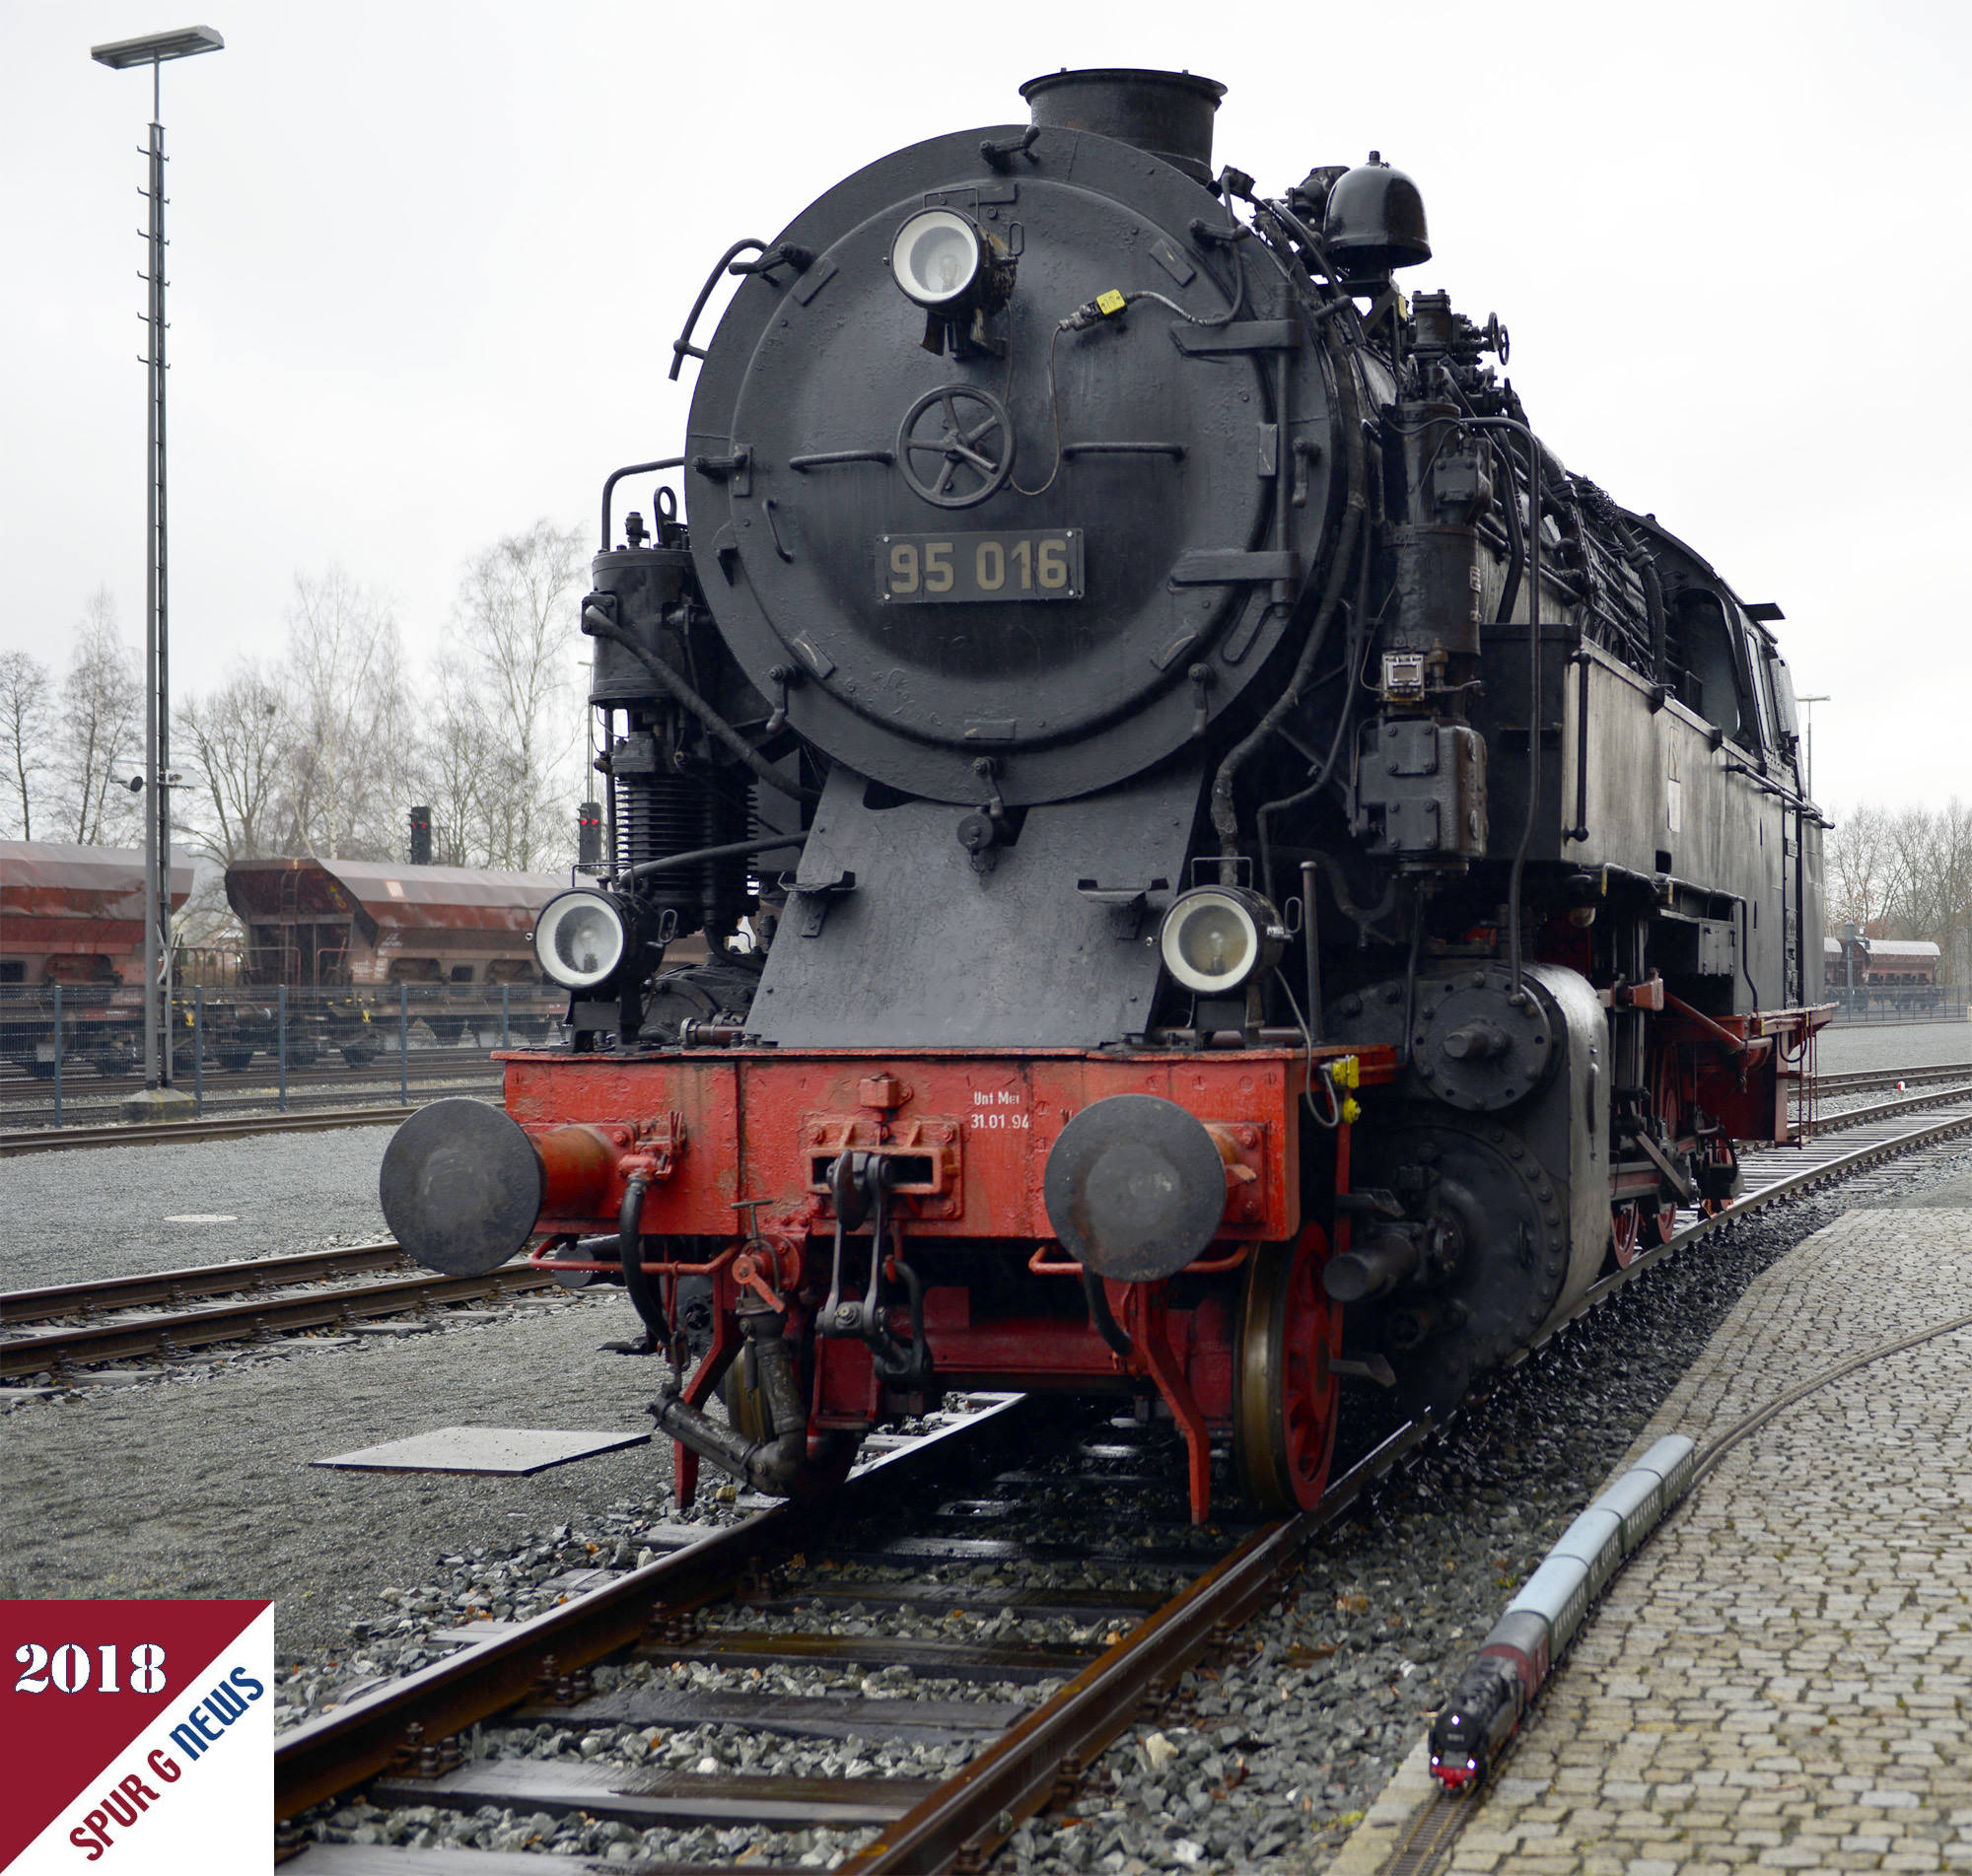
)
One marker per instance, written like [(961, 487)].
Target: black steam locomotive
[(1252, 871)]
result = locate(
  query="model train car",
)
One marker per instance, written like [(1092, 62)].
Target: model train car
[(1256, 873)]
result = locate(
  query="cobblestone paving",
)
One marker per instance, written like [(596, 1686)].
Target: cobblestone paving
[(1784, 1678)]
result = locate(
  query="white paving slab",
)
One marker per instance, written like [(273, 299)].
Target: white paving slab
[(510, 1450)]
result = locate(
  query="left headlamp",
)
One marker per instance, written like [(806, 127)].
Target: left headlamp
[(581, 938), (1215, 938)]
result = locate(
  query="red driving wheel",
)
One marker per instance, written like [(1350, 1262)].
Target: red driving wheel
[(1285, 1406), (1626, 1225)]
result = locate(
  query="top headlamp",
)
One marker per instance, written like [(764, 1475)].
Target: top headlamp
[(580, 938), (1215, 938), (938, 257)]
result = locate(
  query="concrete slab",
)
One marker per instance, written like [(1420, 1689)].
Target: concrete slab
[(513, 1451), (152, 1104)]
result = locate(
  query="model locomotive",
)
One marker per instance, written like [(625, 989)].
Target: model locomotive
[(1225, 865)]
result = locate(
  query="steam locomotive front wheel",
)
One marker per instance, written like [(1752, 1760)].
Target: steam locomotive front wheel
[(1284, 1407)]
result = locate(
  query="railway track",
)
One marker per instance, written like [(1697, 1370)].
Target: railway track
[(49, 1140), (805, 1563), (687, 1609), (220, 1127), (281, 1296), (681, 1608), (28, 1106), (180, 1327), (1863, 1080)]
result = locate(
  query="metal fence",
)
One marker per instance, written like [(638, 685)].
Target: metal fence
[(1899, 1003), (71, 1052)]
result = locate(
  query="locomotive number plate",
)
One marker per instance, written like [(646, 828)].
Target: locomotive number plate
[(953, 569)]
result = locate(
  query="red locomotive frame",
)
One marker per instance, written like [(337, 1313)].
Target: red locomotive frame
[(715, 1134)]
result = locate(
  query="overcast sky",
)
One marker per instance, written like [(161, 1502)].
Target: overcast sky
[(428, 258)]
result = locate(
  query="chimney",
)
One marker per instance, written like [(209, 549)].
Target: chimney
[(1167, 113)]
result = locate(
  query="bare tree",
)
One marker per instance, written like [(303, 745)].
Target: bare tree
[(459, 771), (515, 615), (1857, 864), (344, 715), (232, 740), (27, 733), (99, 733), (1904, 874)]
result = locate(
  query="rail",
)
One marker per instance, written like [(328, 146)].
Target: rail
[(62, 1351), (61, 1139)]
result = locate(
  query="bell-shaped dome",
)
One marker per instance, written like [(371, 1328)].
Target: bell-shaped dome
[(1375, 222)]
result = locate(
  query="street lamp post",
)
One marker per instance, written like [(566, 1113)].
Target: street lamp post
[(159, 1096), (1808, 705)]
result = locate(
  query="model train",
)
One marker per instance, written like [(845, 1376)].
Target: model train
[(1257, 875), (1488, 1702)]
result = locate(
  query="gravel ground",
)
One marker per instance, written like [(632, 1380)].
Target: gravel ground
[(1893, 1045), (274, 1194), (198, 1483)]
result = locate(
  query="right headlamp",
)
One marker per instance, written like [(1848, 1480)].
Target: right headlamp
[(1215, 938), (581, 938)]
